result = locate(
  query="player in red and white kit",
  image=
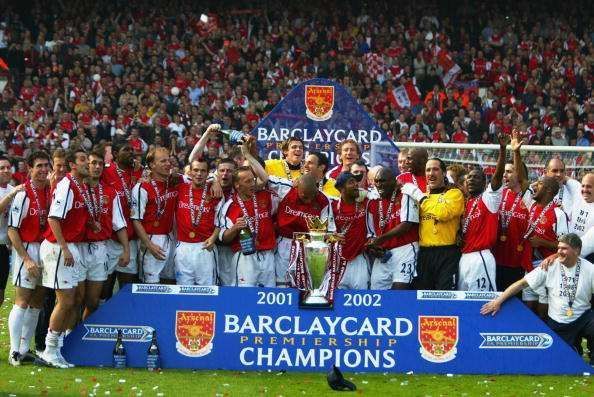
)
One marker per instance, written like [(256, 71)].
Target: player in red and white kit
[(68, 219), (109, 216), (479, 227), (296, 204), (350, 216), (513, 220), (121, 176), (546, 223), (153, 210), (253, 210), (393, 220), (26, 224), (196, 252), (415, 163), (226, 270)]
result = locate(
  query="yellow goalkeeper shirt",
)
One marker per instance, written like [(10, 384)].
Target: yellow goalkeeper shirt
[(439, 218), (279, 168)]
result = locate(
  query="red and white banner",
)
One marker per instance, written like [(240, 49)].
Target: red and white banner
[(450, 68), (406, 95), (375, 65)]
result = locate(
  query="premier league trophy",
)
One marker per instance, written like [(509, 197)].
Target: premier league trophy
[(316, 264)]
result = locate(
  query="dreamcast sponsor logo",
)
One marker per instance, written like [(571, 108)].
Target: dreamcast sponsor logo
[(130, 333), (509, 340)]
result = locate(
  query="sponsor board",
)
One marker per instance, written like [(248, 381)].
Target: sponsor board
[(264, 329), (107, 332), (174, 289), (457, 295), (511, 340)]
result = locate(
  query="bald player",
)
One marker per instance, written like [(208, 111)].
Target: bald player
[(569, 189), (295, 205), (415, 163)]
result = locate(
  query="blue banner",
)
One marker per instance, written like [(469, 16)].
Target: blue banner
[(366, 331), (323, 114)]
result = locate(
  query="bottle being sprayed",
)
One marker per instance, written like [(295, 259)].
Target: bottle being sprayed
[(235, 136), (119, 352), (153, 358)]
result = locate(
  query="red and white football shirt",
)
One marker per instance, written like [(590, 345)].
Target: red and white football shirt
[(150, 197), (68, 206), (404, 209), (111, 214), (506, 252), (292, 213), (552, 225), (265, 238), (185, 230), (419, 181), (351, 219), (26, 217), (122, 181), (481, 220)]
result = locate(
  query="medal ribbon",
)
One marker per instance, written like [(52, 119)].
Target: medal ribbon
[(42, 214), (507, 215), (127, 191), (531, 223), (196, 221), (573, 290), (84, 194), (161, 200), (348, 227), (253, 225), (380, 209), (469, 216)]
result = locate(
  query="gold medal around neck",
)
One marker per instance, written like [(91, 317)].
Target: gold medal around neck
[(520, 247), (503, 238), (156, 223), (569, 312), (192, 234)]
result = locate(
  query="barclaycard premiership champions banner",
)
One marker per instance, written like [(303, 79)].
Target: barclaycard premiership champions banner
[(323, 114), (366, 331)]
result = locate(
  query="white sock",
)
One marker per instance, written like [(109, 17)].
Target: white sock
[(52, 341), (29, 325), (15, 327)]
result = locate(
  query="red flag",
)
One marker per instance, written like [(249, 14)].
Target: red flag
[(3, 64)]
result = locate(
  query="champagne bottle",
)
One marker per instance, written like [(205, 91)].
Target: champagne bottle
[(153, 358), (246, 242), (235, 136), (119, 352)]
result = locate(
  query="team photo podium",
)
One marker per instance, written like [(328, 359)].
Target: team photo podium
[(364, 331)]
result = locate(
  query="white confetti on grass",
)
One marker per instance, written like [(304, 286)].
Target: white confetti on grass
[(78, 380), (122, 380)]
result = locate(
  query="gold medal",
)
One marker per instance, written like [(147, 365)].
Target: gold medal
[(520, 247), (97, 226), (503, 238), (192, 234), (156, 223), (569, 312)]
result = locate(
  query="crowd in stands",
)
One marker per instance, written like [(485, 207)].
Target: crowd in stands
[(86, 71)]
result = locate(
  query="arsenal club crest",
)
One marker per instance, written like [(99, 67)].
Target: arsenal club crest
[(194, 332), (319, 102), (438, 336)]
